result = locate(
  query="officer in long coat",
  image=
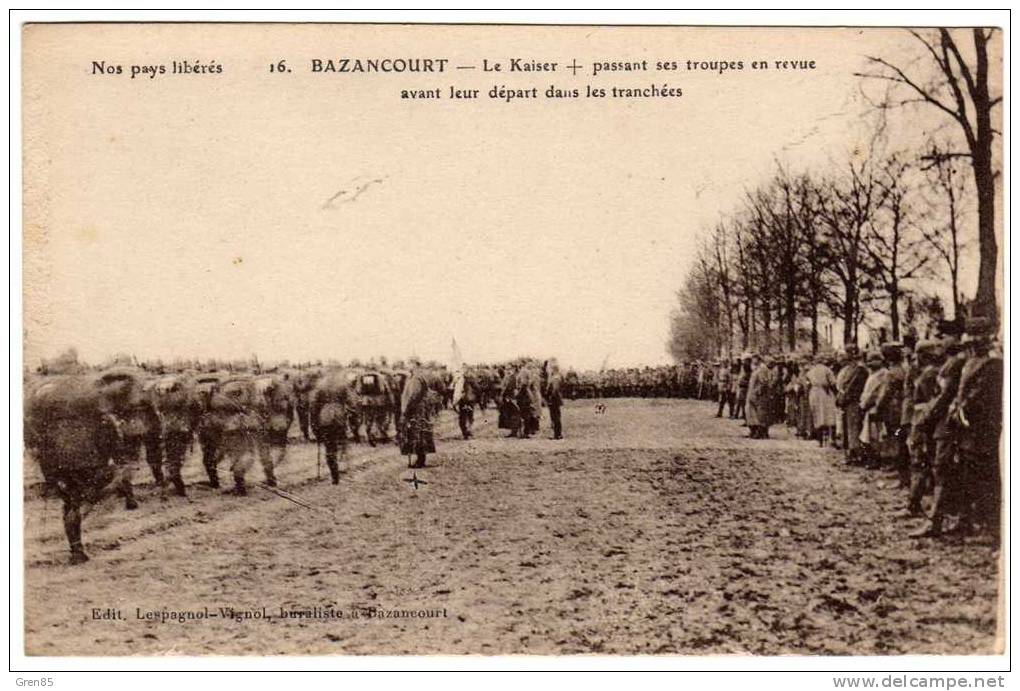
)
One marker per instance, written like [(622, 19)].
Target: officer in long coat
[(420, 402), (554, 398), (822, 400), (509, 409), (759, 399), (529, 399)]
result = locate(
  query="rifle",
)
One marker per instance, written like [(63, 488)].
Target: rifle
[(318, 459)]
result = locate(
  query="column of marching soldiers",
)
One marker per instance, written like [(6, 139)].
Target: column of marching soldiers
[(89, 430), (929, 412)]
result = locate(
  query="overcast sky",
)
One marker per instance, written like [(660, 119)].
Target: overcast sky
[(191, 215)]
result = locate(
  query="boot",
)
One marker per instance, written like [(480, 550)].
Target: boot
[(157, 474), (78, 555), (270, 477), (240, 490), (933, 529), (909, 512), (179, 489)]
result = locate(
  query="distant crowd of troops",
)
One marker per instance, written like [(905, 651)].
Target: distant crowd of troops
[(89, 430), (929, 411), (693, 379)]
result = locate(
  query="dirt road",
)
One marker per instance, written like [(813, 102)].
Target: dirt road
[(653, 528)]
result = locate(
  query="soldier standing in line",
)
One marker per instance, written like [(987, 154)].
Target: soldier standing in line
[(937, 416), (791, 389), (759, 395), (850, 401), (805, 420), (910, 372), (723, 384), (842, 370), (821, 400), (743, 380), (871, 424), (977, 417), (928, 356), (529, 398), (889, 408), (735, 368)]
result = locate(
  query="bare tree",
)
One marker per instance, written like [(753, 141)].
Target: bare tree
[(723, 270), (959, 89), (846, 209), (808, 206), (893, 242), (942, 227), (694, 323)]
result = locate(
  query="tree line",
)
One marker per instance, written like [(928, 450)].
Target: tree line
[(867, 240)]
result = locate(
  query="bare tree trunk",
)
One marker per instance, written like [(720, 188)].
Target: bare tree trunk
[(894, 309), (984, 180), (814, 327)]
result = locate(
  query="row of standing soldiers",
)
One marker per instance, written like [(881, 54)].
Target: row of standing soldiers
[(520, 390), (930, 411), (692, 379)]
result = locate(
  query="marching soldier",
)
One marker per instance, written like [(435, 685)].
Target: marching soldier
[(304, 382), (329, 404), (421, 400), (465, 395)]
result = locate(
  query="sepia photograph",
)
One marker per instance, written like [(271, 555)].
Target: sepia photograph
[(557, 340)]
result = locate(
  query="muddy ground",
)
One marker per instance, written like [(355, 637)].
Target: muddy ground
[(652, 529)]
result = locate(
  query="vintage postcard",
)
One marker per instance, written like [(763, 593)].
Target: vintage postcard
[(396, 339)]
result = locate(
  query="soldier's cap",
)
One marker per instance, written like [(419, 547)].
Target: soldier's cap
[(929, 348), (875, 357), (952, 346), (852, 350), (949, 327), (892, 350), (979, 329)]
